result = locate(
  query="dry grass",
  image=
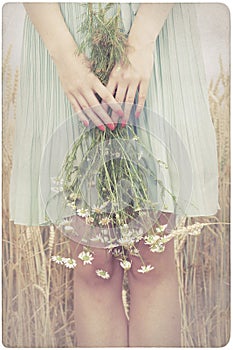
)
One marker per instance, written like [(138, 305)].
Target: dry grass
[(204, 262), (37, 296)]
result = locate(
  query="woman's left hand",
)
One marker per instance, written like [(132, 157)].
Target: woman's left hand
[(127, 79)]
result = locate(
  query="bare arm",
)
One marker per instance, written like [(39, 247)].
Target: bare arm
[(49, 23), (148, 23), (79, 84), (127, 80)]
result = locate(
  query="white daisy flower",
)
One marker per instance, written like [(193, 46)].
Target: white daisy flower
[(157, 248), (89, 220), (104, 221), (134, 251), (57, 259), (151, 239), (71, 204), (82, 212), (161, 228), (125, 264), (116, 252), (86, 257), (70, 263), (117, 154), (103, 274), (145, 268), (98, 209)]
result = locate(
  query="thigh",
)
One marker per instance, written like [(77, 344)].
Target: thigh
[(163, 263)]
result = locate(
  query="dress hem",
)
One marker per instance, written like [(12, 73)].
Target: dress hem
[(16, 222)]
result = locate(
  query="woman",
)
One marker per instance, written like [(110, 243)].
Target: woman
[(166, 71)]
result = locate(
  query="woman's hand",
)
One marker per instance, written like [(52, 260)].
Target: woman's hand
[(81, 87), (127, 79), (79, 84)]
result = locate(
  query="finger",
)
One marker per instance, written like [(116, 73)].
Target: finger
[(99, 111), (120, 97), (115, 118), (108, 98), (78, 110), (89, 112), (129, 102), (143, 87), (111, 86)]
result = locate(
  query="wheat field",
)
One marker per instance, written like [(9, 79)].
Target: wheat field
[(37, 296)]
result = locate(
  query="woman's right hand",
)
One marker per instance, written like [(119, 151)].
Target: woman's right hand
[(81, 86), (78, 82)]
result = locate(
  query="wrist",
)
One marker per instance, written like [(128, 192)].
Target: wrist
[(63, 50), (138, 43), (147, 25), (139, 39)]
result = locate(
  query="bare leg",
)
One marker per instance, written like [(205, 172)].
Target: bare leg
[(154, 300), (99, 313)]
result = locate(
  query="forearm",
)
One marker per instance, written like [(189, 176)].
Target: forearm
[(49, 23), (148, 23), (79, 84)]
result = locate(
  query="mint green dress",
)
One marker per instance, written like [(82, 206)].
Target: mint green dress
[(176, 109)]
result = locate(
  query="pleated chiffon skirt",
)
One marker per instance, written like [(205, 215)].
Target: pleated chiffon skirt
[(175, 124)]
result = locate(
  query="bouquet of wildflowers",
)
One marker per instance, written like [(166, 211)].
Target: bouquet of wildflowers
[(105, 176)]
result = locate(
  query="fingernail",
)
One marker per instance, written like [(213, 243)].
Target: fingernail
[(111, 126), (86, 123), (101, 127), (123, 124), (137, 114), (120, 113)]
